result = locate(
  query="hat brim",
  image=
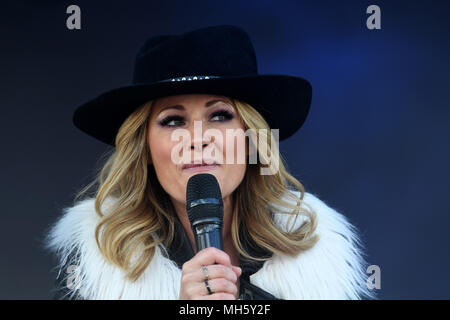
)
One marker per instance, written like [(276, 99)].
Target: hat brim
[(282, 100)]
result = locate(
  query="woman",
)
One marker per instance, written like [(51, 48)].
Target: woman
[(132, 238)]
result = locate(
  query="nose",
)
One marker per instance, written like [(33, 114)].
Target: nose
[(195, 146), (198, 139)]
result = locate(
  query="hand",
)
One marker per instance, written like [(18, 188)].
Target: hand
[(222, 275)]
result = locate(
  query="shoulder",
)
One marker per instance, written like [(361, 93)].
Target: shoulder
[(333, 269), (75, 228), (75, 220), (72, 239)]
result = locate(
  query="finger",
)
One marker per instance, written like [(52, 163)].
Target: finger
[(216, 296), (220, 285), (207, 257), (217, 271), (213, 255), (237, 271)]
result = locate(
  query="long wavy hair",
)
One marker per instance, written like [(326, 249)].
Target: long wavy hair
[(141, 217)]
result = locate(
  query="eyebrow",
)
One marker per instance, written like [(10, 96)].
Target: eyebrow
[(207, 104)]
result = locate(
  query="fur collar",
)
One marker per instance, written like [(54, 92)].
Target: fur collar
[(333, 269)]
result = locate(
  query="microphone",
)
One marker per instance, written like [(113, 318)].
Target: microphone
[(205, 210)]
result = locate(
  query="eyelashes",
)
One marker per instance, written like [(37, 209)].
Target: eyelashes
[(222, 115), (171, 121), (176, 120)]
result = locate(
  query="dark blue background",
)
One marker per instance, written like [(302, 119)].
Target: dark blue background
[(375, 146)]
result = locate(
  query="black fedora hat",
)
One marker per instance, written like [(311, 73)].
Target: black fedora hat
[(216, 60)]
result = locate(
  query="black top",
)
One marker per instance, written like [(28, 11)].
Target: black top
[(181, 251)]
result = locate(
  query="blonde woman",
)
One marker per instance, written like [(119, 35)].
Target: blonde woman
[(131, 238)]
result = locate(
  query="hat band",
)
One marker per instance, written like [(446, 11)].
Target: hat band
[(189, 78)]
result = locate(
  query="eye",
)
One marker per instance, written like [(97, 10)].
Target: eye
[(222, 115), (172, 121)]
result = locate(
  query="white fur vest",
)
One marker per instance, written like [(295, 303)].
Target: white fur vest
[(333, 269)]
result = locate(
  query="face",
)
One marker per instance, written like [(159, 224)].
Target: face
[(177, 157)]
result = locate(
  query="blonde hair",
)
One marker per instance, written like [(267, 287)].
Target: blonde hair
[(142, 216)]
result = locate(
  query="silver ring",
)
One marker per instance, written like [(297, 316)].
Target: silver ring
[(208, 287), (205, 272)]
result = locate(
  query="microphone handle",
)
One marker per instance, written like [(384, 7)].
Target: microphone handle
[(208, 235)]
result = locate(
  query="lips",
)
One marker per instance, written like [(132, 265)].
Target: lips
[(204, 165)]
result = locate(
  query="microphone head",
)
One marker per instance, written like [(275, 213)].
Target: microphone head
[(204, 199)]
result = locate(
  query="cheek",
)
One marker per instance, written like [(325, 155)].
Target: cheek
[(234, 155), (234, 147), (166, 171), (160, 149)]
